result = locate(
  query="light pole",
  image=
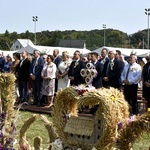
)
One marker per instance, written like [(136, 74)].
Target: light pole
[(147, 12), (104, 27), (143, 42), (35, 19)]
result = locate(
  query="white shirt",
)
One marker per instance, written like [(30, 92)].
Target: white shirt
[(134, 74)]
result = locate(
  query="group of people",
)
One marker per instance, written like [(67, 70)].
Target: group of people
[(47, 74)]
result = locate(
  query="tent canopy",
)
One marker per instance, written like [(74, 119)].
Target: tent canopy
[(49, 49), (126, 51)]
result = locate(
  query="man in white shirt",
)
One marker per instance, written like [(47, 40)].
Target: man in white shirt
[(130, 77)]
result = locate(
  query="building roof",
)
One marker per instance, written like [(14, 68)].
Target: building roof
[(25, 42), (80, 126)]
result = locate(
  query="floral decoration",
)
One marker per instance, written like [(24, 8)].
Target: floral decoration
[(93, 73), (131, 69), (111, 65), (89, 73), (88, 80), (76, 64), (113, 97), (89, 65), (82, 72), (50, 66)]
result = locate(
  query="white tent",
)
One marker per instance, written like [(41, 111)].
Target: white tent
[(5, 53), (126, 51), (49, 49)]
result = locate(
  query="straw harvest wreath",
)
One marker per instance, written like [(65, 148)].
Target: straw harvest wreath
[(119, 130)]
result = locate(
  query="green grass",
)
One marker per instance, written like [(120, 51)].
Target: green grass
[(38, 129), (143, 143)]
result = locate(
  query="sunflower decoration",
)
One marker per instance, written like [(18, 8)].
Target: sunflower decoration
[(89, 65), (114, 97), (88, 80), (93, 73), (88, 72), (82, 72)]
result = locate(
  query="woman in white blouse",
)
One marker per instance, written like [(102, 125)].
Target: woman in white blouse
[(49, 74), (62, 72)]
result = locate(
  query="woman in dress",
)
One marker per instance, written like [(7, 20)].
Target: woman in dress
[(49, 74), (13, 67), (8, 63), (62, 72), (16, 57)]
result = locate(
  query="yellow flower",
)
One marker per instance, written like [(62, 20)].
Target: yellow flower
[(113, 97)]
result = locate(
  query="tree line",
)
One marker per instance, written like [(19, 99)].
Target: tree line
[(94, 38)]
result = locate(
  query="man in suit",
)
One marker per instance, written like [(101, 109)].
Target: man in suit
[(97, 81), (117, 56), (130, 78), (104, 56), (75, 68), (2, 62), (35, 73), (146, 81), (57, 60), (112, 71), (22, 74)]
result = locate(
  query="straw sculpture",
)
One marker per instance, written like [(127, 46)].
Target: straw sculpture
[(65, 104), (23, 143), (133, 130), (112, 109), (7, 100), (50, 129), (37, 143)]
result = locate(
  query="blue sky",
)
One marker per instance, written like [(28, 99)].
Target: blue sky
[(125, 15)]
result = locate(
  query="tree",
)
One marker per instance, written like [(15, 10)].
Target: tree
[(14, 36), (6, 34), (114, 38)]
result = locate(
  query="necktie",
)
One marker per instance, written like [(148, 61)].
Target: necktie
[(128, 72), (34, 65), (21, 62), (108, 69)]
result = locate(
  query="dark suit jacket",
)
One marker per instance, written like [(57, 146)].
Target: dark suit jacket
[(113, 75), (38, 68), (57, 60), (97, 81), (23, 70), (75, 72), (106, 59), (146, 78), (121, 64)]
